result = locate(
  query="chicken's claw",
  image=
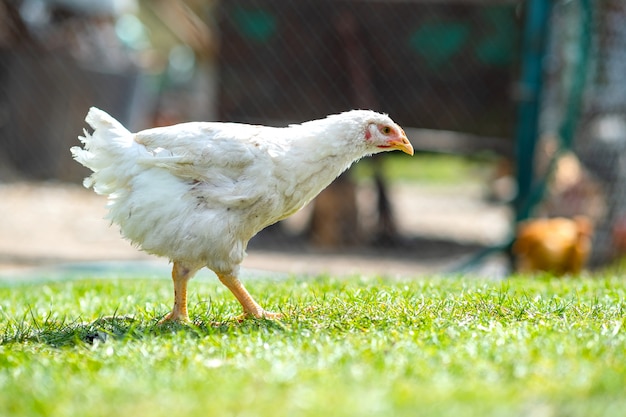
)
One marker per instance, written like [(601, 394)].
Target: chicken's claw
[(266, 315), (173, 317)]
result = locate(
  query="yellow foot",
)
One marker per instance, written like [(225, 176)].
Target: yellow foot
[(268, 315), (172, 317)]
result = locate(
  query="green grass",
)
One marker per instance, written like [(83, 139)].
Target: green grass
[(427, 168), (353, 347)]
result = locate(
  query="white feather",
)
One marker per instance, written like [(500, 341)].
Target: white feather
[(197, 192)]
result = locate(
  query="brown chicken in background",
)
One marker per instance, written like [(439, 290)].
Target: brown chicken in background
[(557, 245)]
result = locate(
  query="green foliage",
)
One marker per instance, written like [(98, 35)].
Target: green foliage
[(353, 347)]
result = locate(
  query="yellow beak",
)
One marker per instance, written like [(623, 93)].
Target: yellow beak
[(402, 144)]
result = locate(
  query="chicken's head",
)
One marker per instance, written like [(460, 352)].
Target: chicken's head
[(387, 136)]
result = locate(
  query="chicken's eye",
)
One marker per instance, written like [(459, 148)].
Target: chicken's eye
[(386, 130)]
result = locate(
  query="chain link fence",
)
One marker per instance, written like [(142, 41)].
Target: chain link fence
[(583, 125), (445, 71)]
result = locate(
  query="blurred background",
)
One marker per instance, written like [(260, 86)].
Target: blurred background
[(516, 110)]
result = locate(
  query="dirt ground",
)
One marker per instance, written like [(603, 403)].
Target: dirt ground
[(49, 225)]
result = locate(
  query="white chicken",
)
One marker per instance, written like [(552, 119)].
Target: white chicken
[(197, 192)]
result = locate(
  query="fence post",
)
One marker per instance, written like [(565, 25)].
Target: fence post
[(534, 45)]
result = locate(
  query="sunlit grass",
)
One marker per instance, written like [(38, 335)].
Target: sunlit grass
[(427, 168), (353, 347)]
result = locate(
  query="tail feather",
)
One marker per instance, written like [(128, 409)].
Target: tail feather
[(110, 152)]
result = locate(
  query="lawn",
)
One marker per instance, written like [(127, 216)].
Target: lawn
[(346, 347), (429, 168)]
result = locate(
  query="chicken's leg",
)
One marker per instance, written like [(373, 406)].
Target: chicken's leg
[(180, 276), (250, 307)]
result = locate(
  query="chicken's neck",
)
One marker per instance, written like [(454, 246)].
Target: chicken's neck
[(331, 147), (318, 152)]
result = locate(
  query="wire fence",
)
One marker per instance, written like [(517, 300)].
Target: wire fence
[(583, 115), (437, 66), (444, 70)]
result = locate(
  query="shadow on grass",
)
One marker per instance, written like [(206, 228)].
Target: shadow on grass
[(63, 333)]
